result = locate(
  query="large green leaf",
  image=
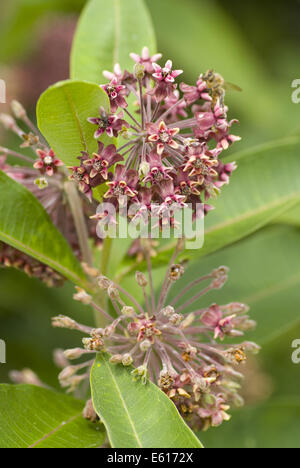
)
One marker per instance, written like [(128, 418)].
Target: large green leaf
[(274, 424), (264, 273), (33, 417), (265, 186), (25, 225), (62, 114), (136, 416), (107, 33), (208, 36)]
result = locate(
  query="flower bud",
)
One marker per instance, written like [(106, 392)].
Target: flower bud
[(18, 110), (127, 360), (251, 347), (8, 121), (103, 282), (168, 311), (72, 354), (41, 183), (144, 169), (113, 292), (67, 373), (176, 272), (89, 413), (116, 359), (142, 373), (141, 279), (26, 376), (82, 296), (60, 358), (139, 71), (145, 345), (220, 276), (64, 322), (176, 319), (128, 311), (93, 344), (188, 321)]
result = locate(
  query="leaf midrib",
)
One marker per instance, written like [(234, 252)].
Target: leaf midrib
[(55, 430), (125, 408), (76, 119), (41, 257)]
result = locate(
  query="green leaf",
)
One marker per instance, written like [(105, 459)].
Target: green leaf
[(265, 185), (264, 273), (136, 416), (25, 225), (274, 424), (106, 34), (33, 417), (291, 217), (228, 50), (62, 114)]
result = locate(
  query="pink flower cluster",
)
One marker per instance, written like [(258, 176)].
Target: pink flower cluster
[(175, 138), (178, 346)]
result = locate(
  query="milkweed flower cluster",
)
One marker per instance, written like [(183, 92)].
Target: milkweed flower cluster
[(174, 138), (181, 349)]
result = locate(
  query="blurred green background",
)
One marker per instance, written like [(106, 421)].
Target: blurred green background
[(255, 45)]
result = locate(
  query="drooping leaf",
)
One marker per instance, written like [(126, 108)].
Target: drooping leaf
[(62, 114), (274, 424), (33, 417), (264, 273), (107, 33), (230, 52), (25, 225), (136, 416), (265, 185)]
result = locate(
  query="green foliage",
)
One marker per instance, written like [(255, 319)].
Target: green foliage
[(32, 417), (62, 114), (25, 225), (107, 33), (136, 415), (270, 425), (264, 273)]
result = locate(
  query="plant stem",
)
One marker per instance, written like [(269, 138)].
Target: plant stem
[(106, 252), (76, 208)]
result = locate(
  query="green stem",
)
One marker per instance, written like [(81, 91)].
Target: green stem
[(106, 252), (101, 299), (75, 203)]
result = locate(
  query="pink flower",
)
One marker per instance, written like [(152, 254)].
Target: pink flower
[(163, 136), (177, 106), (157, 171), (146, 60), (124, 183), (80, 174), (194, 93), (215, 411), (186, 186), (214, 319), (102, 161), (168, 194), (201, 163), (109, 124), (47, 162), (165, 78), (116, 93)]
